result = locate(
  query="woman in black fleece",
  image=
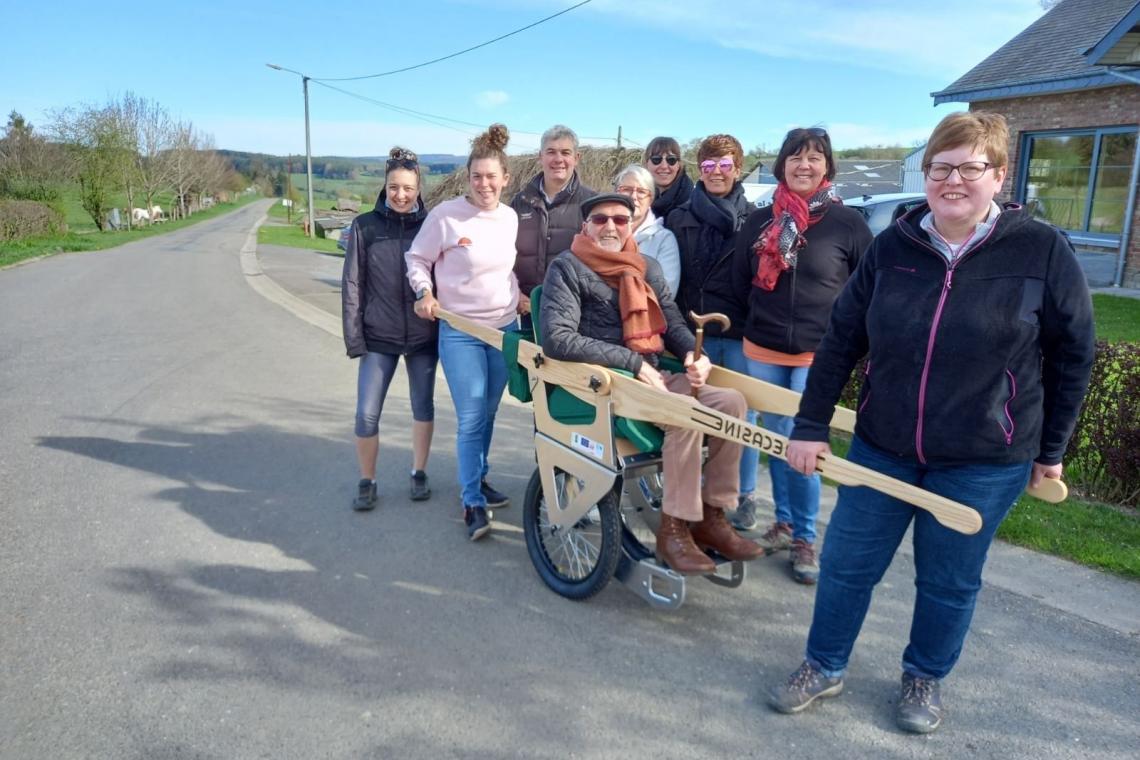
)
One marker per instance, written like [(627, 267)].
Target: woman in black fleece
[(977, 324), (380, 325)]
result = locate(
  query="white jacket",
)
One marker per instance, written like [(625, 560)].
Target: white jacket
[(656, 242)]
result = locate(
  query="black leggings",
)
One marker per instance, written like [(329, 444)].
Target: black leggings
[(376, 371)]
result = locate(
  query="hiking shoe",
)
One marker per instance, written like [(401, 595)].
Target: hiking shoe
[(365, 495), (477, 523), (419, 489), (494, 498), (920, 705), (744, 518), (777, 538), (802, 688), (805, 569)]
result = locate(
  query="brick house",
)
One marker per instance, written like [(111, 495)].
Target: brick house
[(1069, 86)]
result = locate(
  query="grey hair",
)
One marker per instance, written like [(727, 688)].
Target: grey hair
[(558, 132), (639, 173)]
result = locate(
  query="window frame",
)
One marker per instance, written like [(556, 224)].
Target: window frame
[(1106, 239)]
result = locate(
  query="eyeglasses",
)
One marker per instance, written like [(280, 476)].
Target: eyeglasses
[(969, 171), (657, 158), (619, 220), (725, 165), (403, 163), (633, 192)]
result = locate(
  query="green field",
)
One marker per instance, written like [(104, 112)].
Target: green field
[(326, 191), (91, 240), (1117, 318), (292, 236)]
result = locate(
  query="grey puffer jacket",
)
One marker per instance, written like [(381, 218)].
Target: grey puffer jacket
[(581, 318)]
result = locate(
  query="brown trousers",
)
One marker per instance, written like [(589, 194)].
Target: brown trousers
[(681, 456)]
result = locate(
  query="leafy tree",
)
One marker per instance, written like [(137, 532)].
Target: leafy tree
[(99, 148)]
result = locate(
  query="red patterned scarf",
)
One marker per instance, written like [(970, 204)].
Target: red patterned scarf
[(779, 245)]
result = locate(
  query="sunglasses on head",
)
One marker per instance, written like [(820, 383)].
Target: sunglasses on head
[(725, 164), (403, 163), (619, 220), (657, 158), (818, 132)]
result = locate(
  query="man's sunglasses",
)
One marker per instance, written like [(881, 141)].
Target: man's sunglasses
[(619, 220), (657, 158)]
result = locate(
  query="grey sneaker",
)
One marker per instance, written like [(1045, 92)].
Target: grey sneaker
[(802, 688), (805, 568), (745, 516), (920, 705), (365, 495), (777, 538), (419, 487)]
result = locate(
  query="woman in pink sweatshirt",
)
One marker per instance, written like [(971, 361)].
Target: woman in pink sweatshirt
[(468, 243)]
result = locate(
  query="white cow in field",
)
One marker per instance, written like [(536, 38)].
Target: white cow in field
[(156, 214), (140, 215)]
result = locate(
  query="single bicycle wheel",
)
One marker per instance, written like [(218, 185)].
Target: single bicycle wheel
[(576, 561)]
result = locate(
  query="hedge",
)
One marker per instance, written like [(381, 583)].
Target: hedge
[(21, 219), (1102, 462)]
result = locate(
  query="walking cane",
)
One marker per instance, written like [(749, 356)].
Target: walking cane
[(700, 320)]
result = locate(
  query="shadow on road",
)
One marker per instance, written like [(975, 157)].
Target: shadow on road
[(427, 636)]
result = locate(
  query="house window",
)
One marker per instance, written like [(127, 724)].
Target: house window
[(1078, 180)]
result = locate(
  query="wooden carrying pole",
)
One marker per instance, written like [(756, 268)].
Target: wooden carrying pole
[(637, 400)]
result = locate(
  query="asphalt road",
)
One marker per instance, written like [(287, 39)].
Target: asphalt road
[(182, 576)]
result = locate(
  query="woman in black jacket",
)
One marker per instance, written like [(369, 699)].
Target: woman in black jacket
[(792, 259), (977, 327), (380, 325), (706, 227)]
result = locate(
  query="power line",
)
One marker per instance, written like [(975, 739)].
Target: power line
[(452, 55), (436, 119)]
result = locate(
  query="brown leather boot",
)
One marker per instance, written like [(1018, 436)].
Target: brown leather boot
[(676, 549), (715, 533)]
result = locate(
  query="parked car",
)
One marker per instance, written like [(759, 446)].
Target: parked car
[(881, 210)]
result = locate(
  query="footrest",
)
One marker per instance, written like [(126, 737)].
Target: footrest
[(660, 586), (729, 573)]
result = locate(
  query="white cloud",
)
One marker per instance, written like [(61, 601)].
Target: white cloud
[(943, 39), (491, 98)]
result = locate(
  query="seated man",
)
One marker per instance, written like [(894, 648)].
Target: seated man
[(604, 303)]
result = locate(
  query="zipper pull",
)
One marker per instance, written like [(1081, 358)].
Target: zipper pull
[(949, 276)]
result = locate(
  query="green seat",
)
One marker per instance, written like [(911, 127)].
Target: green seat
[(568, 409)]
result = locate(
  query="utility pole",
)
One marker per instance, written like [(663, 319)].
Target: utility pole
[(308, 149), (619, 135)]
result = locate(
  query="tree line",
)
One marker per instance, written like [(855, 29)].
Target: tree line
[(129, 144)]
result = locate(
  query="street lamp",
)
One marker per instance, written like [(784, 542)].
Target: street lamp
[(308, 149)]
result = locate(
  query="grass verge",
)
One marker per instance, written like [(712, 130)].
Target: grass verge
[(292, 236), (14, 251), (1117, 317), (1095, 535)]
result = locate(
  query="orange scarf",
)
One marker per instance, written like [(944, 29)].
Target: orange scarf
[(642, 321)]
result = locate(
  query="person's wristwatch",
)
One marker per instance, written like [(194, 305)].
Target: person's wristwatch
[(421, 293)]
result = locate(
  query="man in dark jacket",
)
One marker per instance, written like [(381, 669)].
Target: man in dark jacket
[(549, 209), (604, 303)]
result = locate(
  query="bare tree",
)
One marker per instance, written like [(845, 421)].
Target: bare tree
[(155, 136)]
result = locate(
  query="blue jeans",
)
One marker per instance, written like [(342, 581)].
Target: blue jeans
[(796, 496), (729, 353), (864, 533), (476, 376)]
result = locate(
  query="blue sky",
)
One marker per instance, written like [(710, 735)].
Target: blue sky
[(864, 69)]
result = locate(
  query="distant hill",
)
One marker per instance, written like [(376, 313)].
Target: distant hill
[(332, 167)]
